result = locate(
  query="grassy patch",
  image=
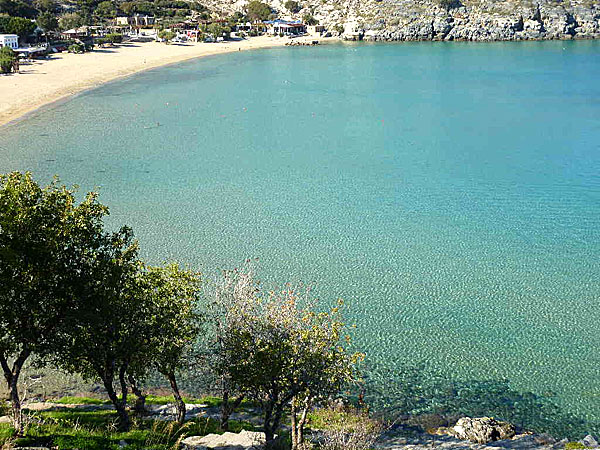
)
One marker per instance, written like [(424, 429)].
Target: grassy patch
[(96, 430), (574, 446), (340, 419), (166, 399), (69, 400)]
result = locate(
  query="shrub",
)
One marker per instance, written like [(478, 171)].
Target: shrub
[(346, 429), (292, 6), (6, 64), (166, 35), (574, 446), (258, 10), (8, 52), (76, 48), (309, 20), (449, 4), (114, 38)]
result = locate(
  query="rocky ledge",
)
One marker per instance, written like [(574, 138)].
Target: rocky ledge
[(400, 20), (442, 20)]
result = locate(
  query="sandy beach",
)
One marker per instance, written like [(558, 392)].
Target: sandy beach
[(45, 81)]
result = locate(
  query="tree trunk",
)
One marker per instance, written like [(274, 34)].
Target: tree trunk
[(272, 421), (124, 422), (225, 411), (15, 404), (228, 407), (294, 420), (179, 403), (299, 416), (12, 380), (140, 401), (301, 424), (269, 434)]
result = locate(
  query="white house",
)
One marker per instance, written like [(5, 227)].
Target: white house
[(9, 40)]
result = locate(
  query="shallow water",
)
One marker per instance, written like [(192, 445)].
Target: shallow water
[(450, 192)]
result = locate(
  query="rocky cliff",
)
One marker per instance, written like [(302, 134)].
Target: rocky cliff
[(483, 20), (468, 20)]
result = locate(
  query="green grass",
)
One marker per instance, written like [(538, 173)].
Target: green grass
[(69, 400), (334, 419), (96, 430), (150, 400), (166, 399), (574, 446), (209, 401)]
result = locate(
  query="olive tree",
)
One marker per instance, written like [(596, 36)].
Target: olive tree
[(233, 289), (45, 238), (176, 322), (109, 334), (283, 350)]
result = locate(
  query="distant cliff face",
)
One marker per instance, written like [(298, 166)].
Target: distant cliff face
[(470, 20), (483, 20)]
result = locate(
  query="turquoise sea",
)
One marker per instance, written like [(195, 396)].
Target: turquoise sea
[(450, 192)]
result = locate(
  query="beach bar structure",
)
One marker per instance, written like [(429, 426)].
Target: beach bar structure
[(76, 33), (136, 21), (278, 27), (9, 40)]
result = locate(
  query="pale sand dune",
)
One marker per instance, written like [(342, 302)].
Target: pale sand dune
[(45, 81)]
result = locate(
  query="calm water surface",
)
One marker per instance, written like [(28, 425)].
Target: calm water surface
[(449, 192)]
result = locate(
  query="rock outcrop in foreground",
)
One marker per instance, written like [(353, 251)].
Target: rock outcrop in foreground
[(482, 430), (244, 440)]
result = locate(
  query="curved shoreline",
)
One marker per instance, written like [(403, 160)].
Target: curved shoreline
[(45, 82)]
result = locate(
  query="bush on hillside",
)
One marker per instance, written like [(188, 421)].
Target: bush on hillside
[(258, 10), (309, 20), (449, 4), (292, 6)]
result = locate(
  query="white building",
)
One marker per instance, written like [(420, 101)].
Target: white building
[(9, 40), (136, 21)]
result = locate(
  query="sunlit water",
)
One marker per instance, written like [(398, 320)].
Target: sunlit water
[(450, 192)]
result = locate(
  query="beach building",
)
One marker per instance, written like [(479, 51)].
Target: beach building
[(76, 33), (278, 27), (352, 31), (243, 27), (136, 21), (9, 40)]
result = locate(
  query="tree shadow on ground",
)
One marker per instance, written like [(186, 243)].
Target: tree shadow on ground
[(419, 391)]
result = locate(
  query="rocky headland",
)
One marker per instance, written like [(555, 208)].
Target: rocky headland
[(443, 20), (485, 20)]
